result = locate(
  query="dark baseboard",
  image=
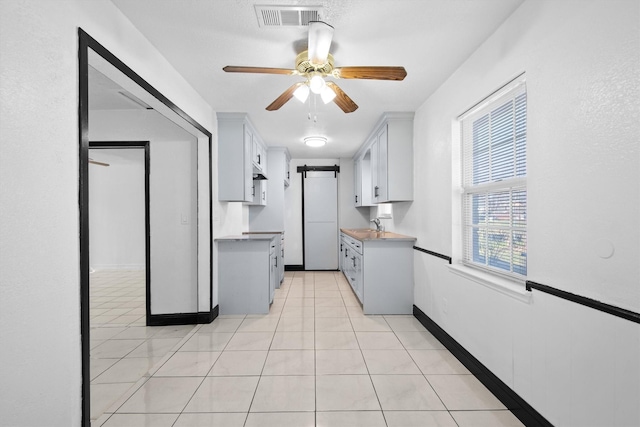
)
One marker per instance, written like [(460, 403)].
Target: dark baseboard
[(509, 398), (294, 267), (183, 318), (215, 312)]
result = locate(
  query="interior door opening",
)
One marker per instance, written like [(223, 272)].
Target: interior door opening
[(196, 220)]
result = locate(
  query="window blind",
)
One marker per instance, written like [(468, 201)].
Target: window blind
[(494, 168)]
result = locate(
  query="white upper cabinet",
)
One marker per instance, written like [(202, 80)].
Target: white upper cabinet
[(389, 153), (259, 156), (235, 166), (287, 169), (362, 180), (260, 189)]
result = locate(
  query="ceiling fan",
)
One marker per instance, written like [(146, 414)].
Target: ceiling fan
[(316, 63)]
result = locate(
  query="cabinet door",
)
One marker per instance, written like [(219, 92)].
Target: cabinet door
[(357, 182), (359, 277), (375, 188), (287, 172), (259, 192), (273, 275), (382, 171), (248, 168)]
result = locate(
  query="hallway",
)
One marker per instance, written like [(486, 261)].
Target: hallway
[(315, 359)]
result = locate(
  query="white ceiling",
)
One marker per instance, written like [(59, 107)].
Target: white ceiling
[(430, 38)]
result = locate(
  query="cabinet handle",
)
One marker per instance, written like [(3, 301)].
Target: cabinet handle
[(346, 252), (253, 190), (288, 177), (276, 262), (340, 247), (258, 158), (354, 261), (356, 198), (375, 193), (264, 195)]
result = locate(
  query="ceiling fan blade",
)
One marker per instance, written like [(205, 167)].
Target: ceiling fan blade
[(373, 73), (259, 70), (282, 99), (320, 35), (342, 100), (95, 162)]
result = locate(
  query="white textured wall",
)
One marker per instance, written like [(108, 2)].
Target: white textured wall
[(172, 199), (575, 365), (39, 244), (116, 209)]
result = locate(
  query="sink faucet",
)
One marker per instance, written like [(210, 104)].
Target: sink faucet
[(379, 225)]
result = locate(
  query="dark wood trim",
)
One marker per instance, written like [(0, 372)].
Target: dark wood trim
[(587, 302), (181, 318), (292, 267), (436, 254), (86, 42), (509, 398), (94, 45), (305, 168), (215, 312), (83, 201), (302, 176)]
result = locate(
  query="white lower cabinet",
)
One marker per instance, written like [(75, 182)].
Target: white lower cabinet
[(274, 271), (247, 273), (380, 272)]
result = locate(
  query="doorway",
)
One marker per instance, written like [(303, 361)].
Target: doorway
[(320, 217), (93, 54)]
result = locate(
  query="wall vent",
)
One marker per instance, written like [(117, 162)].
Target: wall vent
[(287, 16)]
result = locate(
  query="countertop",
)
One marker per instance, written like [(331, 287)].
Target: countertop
[(363, 234), (248, 237), (263, 232)]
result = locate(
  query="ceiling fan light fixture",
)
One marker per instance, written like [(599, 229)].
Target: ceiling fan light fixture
[(320, 35), (315, 141), (317, 84), (302, 93), (327, 95)]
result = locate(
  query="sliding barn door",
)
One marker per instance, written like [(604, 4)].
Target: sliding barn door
[(320, 221)]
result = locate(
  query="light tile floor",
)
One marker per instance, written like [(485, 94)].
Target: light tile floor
[(123, 349), (314, 360)]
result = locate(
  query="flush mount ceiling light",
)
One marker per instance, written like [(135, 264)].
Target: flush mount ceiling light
[(315, 141)]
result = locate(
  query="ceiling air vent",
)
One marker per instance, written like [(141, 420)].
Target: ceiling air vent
[(287, 16)]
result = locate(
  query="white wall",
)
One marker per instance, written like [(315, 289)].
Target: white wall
[(116, 209), (173, 203), (39, 244), (575, 365)]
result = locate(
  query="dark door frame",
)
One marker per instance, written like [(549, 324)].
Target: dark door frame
[(99, 145), (86, 42)]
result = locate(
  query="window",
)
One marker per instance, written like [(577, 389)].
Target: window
[(494, 168)]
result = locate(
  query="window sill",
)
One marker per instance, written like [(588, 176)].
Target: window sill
[(505, 286)]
